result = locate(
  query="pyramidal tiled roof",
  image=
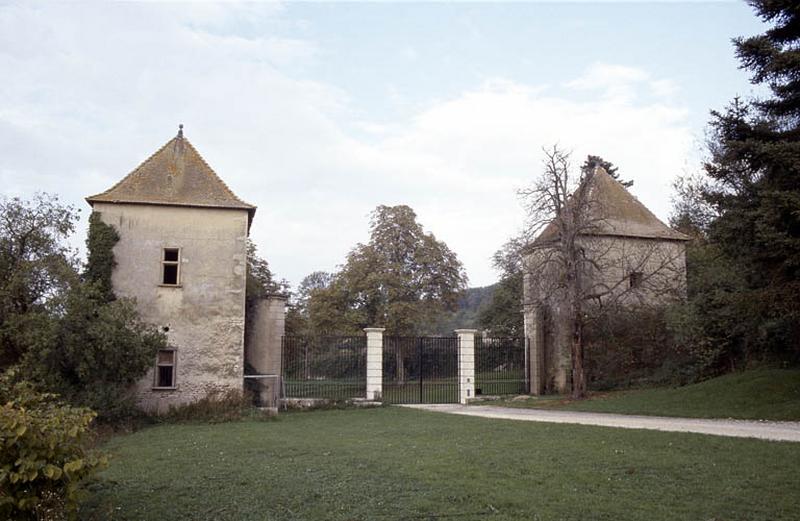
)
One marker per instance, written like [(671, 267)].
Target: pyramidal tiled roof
[(614, 211), (175, 175)]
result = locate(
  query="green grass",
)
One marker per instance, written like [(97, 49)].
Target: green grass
[(763, 394), (511, 381), (440, 390), (329, 388), (399, 464)]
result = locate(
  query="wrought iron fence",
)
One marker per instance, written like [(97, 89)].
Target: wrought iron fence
[(420, 369), (332, 367), (501, 365)]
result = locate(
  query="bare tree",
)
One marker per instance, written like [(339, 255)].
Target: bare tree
[(583, 262)]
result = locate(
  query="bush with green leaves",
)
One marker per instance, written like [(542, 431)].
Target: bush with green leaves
[(638, 347), (99, 351), (218, 406), (44, 459), (68, 332)]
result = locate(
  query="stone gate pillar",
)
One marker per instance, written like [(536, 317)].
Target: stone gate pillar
[(536, 347), (466, 364), (374, 362)]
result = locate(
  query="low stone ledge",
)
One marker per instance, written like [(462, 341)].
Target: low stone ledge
[(364, 402), (304, 403), (320, 403)]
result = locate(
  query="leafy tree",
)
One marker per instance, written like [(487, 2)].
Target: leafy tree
[(296, 323), (68, 334), (692, 214), (98, 351), (316, 280), (298, 320), (713, 324), (503, 315), (96, 346), (260, 279), (400, 279), (332, 310), (36, 268), (754, 188), (260, 284)]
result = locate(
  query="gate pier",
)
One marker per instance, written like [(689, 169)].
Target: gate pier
[(374, 362), (466, 364)]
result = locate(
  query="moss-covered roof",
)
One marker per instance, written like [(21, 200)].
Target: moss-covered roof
[(615, 211), (175, 175)]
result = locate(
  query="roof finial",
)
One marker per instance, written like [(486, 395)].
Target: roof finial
[(180, 130)]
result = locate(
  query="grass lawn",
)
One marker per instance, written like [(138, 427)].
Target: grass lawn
[(399, 464), (763, 394)]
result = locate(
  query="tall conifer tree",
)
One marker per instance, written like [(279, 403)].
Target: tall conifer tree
[(755, 166)]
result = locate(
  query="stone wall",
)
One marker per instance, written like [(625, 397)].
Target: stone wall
[(265, 328), (662, 264), (204, 316)]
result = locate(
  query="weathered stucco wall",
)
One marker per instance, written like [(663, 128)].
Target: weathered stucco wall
[(265, 329), (543, 301), (205, 315), (662, 264)]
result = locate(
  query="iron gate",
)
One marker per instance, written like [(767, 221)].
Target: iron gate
[(420, 369), (501, 365), (332, 367)]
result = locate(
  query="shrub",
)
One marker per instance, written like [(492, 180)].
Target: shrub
[(98, 351), (636, 348), (44, 459), (217, 406)]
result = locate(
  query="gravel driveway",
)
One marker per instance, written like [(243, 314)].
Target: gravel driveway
[(766, 430)]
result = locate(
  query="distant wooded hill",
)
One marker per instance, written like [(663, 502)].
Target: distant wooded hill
[(466, 316)]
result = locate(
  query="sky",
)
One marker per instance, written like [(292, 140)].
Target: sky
[(319, 112)]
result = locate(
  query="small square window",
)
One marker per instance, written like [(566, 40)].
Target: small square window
[(635, 279), (171, 267), (165, 368)]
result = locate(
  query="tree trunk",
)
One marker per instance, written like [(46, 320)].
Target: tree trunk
[(578, 374), (575, 296)]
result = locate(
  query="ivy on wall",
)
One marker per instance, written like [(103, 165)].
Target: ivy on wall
[(100, 259)]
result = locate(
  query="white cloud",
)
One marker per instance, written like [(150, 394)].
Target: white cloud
[(92, 92), (461, 161), (620, 83)]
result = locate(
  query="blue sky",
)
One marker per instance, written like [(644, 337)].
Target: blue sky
[(318, 112)]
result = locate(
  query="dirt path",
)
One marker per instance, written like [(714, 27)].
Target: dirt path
[(766, 430)]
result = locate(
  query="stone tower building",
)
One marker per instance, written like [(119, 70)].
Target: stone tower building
[(634, 260), (182, 255)]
